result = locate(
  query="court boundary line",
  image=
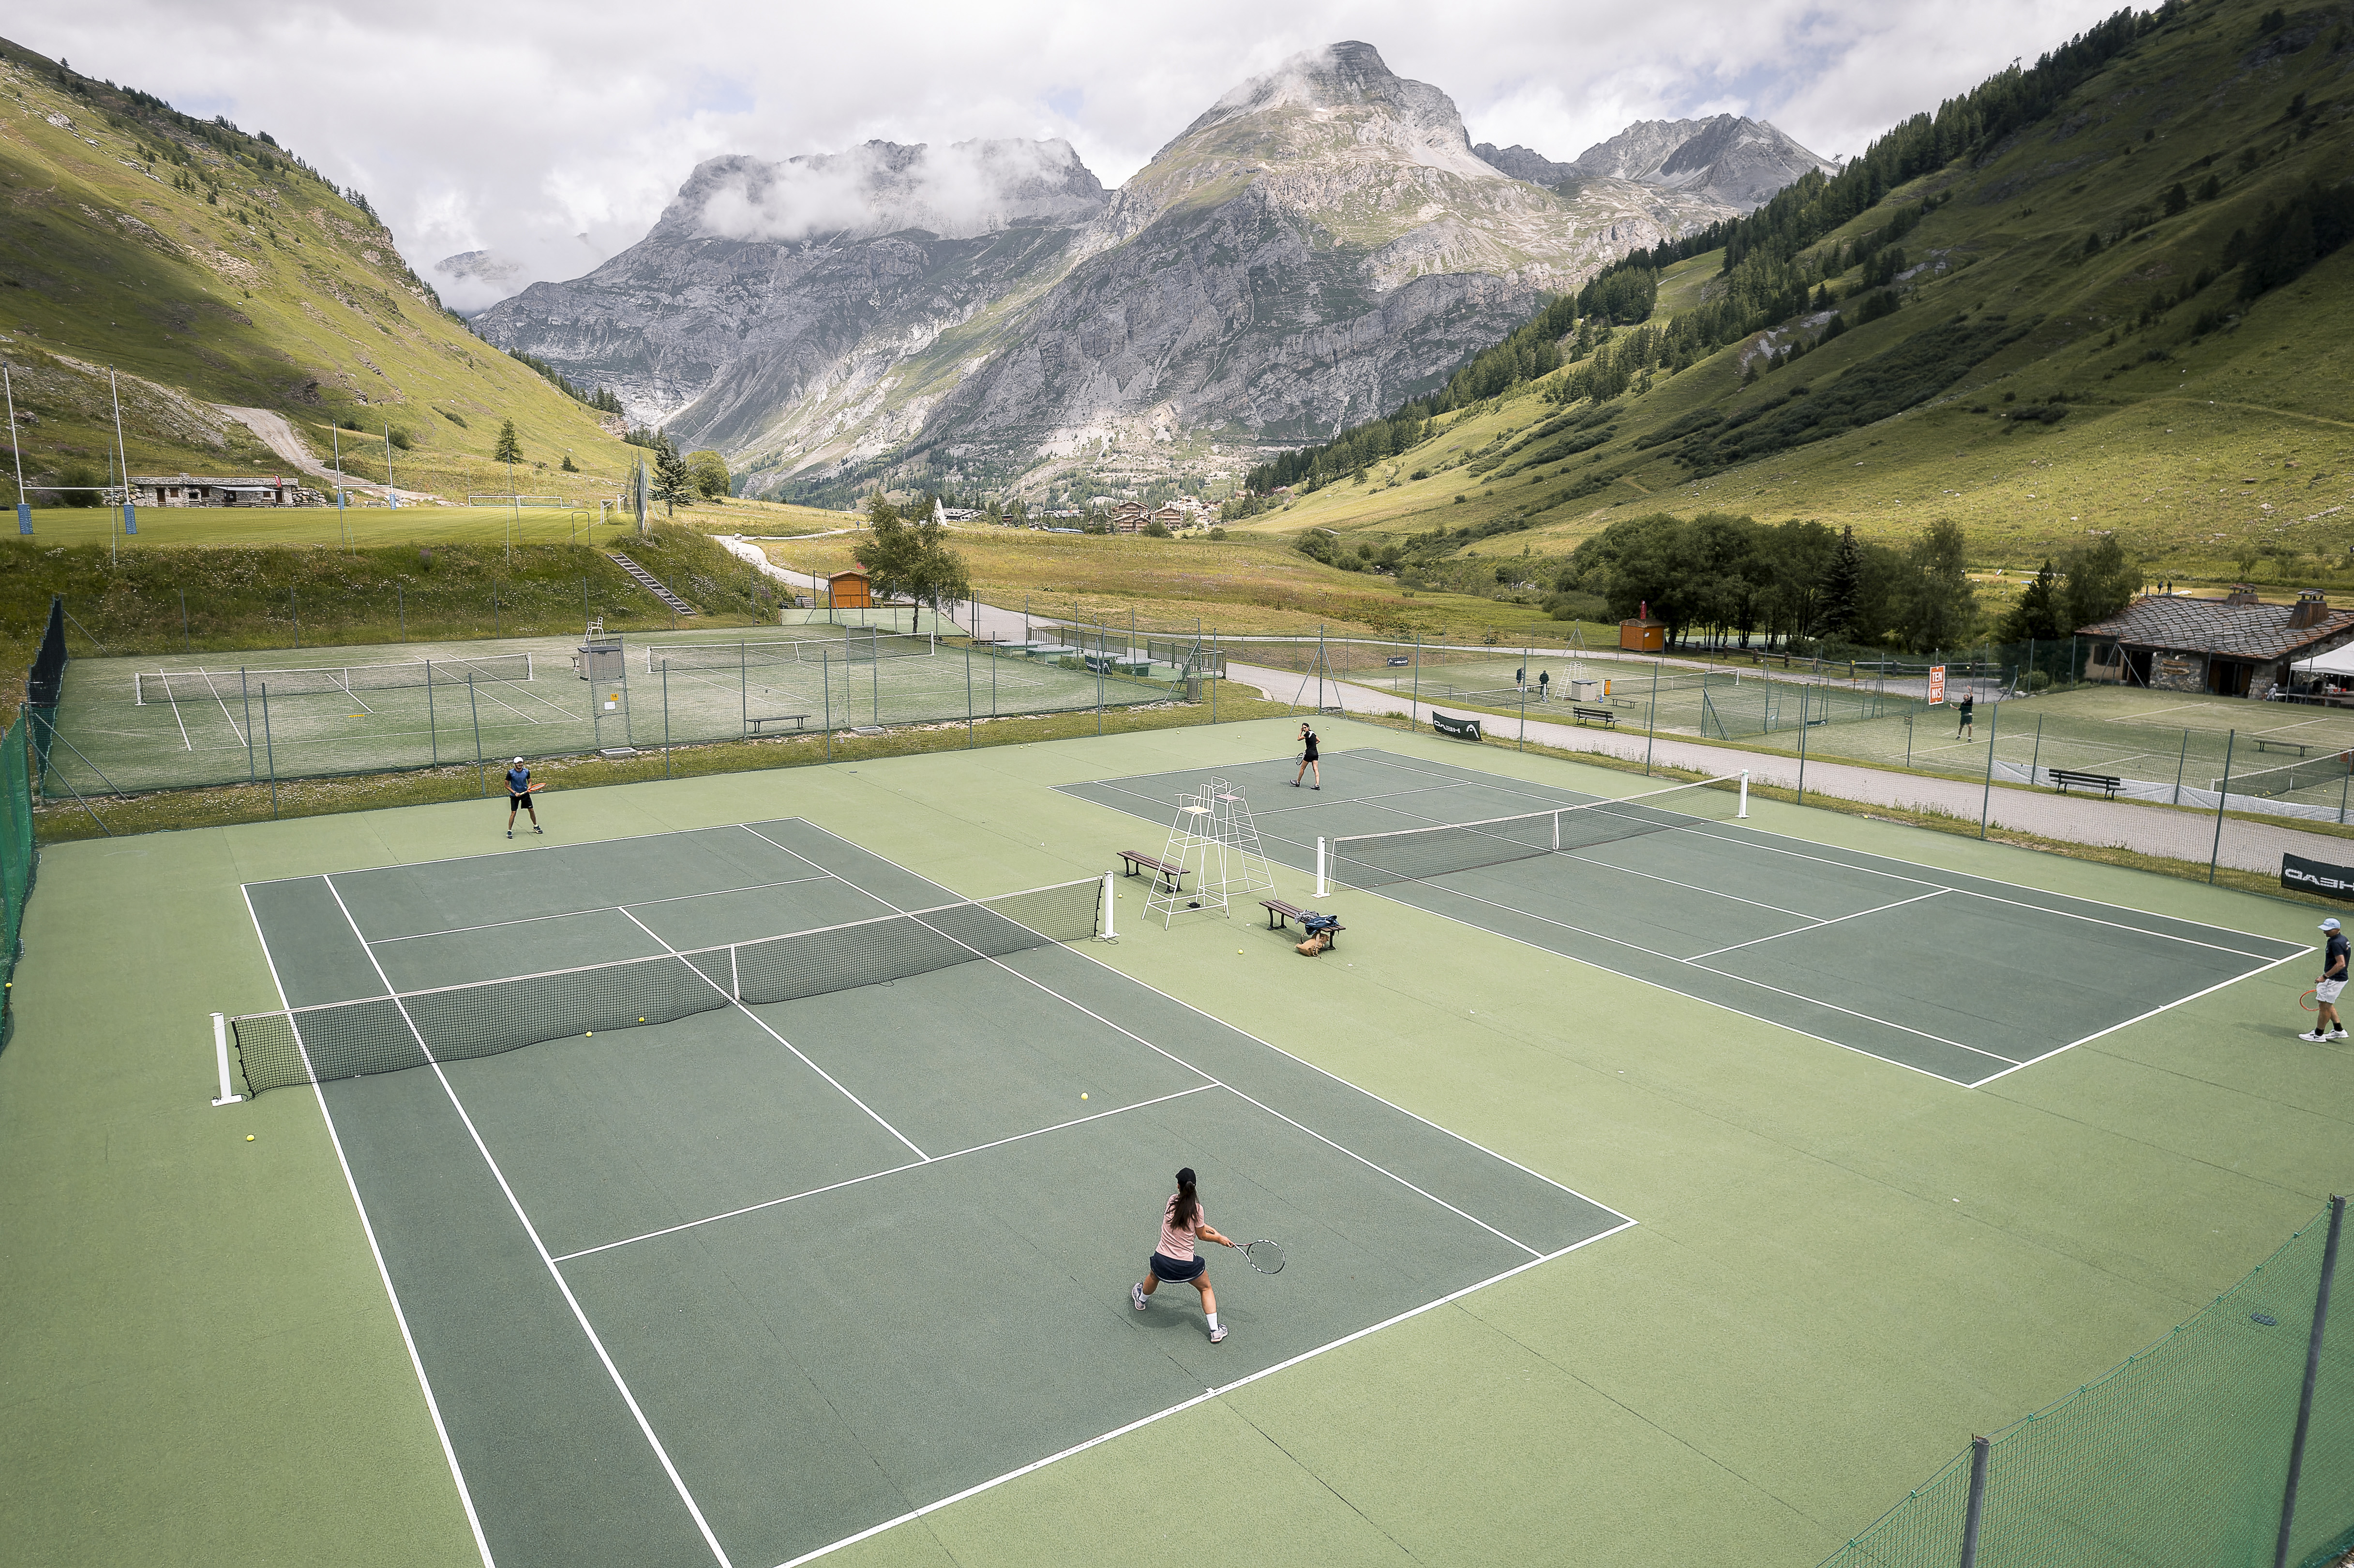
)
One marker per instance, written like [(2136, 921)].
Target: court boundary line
[(2022, 903), (1818, 925), (531, 1232), (2153, 1012), (528, 849), (1082, 1007), (738, 1004), (603, 909), (893, 1170), (1206, 1396), (367, 1229)]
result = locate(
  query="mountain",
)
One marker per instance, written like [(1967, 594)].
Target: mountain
[(2113, 291), (1730, 159), (236, 291), (1317, 244), (1525, 164)]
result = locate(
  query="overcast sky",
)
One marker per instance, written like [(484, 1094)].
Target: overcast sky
[(518, 126)]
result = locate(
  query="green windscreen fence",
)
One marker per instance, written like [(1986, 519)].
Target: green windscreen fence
[(2179, 1456), (17, 854)]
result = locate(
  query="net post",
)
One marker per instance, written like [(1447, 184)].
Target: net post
[(1321, 890), (2312, 1372), (1111, 932), (1977, 1508), (735, 975), (1745, 795), (229, 1094)]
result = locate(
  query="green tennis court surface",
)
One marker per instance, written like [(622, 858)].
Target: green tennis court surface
[(1960, 977), (750, 1283)]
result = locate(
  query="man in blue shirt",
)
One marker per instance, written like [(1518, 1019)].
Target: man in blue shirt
[(520, 789), (2328, 1026)]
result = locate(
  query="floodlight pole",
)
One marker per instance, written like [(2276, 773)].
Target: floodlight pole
[(512, 502), (391, 495), (335, 434), (122, 459), (24, 507)]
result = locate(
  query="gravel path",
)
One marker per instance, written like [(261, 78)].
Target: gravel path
[(2149, 829)]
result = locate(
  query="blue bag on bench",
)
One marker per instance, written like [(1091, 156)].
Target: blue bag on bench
[(1312, 922)]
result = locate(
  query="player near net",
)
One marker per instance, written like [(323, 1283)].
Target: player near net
[(520, 789)]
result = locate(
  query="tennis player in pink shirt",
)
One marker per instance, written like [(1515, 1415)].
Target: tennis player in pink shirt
[(1182, 1221)]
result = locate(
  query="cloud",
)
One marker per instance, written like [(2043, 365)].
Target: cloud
[(959, 191), (555, 134)]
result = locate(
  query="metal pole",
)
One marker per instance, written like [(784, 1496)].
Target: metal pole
[(825, 679), (24, 507), (665, 678), (2312, 1370), (875, 676), (743, 691), (2035, 759), (482, 779), (1099, 691), (337, 433), (2180, 762), (1802, 745), (2341, 795), (432, 737), (391, 496), (1652, 722), (123, 461), (400, 608), (1975, 1512), (1985, 801), (2223, 793), (1413, 703), (185, 642), (294, 607), (1217, 675), (1524, 699), (269, 750), (245, 696), (967, 696)]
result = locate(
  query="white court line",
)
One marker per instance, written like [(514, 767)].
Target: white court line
[(368, 1228), (737, 1003), (2153, 1012), (222, 698), (533, 849), (677, 1481), (1817, 925), (599, 909), (1201, 1398), (1213, 1077), (185, 743), (878, 1175)]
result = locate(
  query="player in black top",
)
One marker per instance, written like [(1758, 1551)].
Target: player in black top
[(1308, 759), (2327, 1024), (520, 789), (1962, 709)]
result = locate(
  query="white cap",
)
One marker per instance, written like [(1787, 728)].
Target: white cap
[(518, 762), (2330, 924)]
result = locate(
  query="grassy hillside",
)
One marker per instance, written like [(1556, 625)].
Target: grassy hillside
[(212, 267), (2071, 348)]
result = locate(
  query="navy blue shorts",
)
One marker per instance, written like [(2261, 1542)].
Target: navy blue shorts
[(1175, 1272)]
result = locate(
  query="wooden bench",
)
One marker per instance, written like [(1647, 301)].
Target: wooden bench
[(1136, 860), (1606, 717), (799, 721), (2299, 746), (1279, 912), (2106, 783)]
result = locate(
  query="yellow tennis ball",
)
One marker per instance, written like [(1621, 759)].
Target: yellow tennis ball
[(641, 1021), (1083, 1097), (248, 1138), (1238, 952)]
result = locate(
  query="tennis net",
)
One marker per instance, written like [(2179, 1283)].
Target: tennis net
[(2310, 773), (203, 686), (1410, 855), (860, 646), (447, 1024)]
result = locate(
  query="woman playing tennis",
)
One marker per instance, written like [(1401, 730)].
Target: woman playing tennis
[(1181, 1222)]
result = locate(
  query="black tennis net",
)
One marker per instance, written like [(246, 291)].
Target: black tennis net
[(449, 1023), (1412, 854)]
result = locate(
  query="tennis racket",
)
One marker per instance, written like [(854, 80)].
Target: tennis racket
[(2307, 1002), (1267, 1256)]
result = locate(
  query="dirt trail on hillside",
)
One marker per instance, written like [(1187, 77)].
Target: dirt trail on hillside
[(279, 435)]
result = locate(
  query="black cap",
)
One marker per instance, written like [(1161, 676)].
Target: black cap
[(1186, 1177)]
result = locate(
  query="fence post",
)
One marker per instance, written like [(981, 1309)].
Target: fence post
[(432, 737), (294, 606), (1413, 703), (186, 645), (482, 779), (967, 696), (1651, 720), (1976, 1513), (743, 694), (825, 679), (1802, 751), (400, 608), (2180, 763), (2342, 784), (665, 678), (269, 750), (245, 698), (1985, 801), (2035, 759), (2312, 1370), (2223, 793), (1524, 698)]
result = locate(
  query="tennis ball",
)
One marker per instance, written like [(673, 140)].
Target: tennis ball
[(1084, 1096), (641, 1021), (248, 1138)]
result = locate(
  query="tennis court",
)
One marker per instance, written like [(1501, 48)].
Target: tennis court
[(1960, 977), (763, 1277)]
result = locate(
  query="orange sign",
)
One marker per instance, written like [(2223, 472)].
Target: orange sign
[(1936, 685)]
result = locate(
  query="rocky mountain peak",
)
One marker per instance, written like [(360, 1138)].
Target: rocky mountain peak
[(1348, 83), (960, 191), (1732, 159)]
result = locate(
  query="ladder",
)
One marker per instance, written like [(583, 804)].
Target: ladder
[(650, 583)]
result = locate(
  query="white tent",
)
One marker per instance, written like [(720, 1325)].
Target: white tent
[(2336, 661)]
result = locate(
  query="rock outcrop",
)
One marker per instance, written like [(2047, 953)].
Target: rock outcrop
[(1725, 158)]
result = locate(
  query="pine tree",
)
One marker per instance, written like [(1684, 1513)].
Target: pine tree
[(672, 484), (508, 449), (1842, 590), (2038, 614)]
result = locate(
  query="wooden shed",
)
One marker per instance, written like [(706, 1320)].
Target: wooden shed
[(847, 590), (1642, 634)]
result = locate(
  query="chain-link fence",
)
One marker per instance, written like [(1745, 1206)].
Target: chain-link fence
[(2229, 1444)]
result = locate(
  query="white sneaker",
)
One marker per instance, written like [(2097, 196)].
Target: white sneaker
[(1217, 1333), (1136, 1294), (2337, 1035), (2315, 1035)]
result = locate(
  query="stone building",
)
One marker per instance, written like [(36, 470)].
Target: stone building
[(2233, 646), (189, 490)]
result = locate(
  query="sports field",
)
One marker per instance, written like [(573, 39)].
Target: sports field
[(1589, 1260)]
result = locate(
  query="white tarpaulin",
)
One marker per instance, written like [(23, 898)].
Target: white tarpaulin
[(2336, 661)]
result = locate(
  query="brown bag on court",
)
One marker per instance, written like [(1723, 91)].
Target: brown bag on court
[(1315, 944)]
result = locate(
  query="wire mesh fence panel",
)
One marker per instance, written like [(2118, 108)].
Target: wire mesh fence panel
[(2176, 1458), (18, 851)]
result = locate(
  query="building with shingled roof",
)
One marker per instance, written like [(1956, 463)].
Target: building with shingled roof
[(2234, 646)]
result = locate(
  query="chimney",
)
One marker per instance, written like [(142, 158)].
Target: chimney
[(2311, 610), (2241, 594)]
